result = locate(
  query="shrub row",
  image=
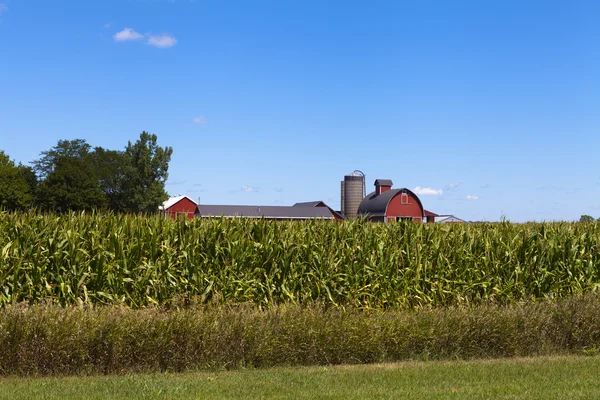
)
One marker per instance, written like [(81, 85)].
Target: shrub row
[(50, 339)]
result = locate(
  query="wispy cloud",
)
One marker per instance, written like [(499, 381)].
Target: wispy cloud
[(279, 190), (107, 25), (426, 191), (486, 186), (245, 189), (3, 9), (471, 197), (162, 41), (127, 34), (452, 187), (199, 120), (248, 189)]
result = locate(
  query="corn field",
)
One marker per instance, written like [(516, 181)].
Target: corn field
[(140, 261)]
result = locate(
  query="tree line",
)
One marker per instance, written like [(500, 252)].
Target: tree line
[(73, 175)]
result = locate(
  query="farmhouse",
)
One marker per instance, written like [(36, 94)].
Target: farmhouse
[(386, 204), (178, 206)]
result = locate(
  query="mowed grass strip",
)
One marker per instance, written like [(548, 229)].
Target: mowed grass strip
[(574, 377)]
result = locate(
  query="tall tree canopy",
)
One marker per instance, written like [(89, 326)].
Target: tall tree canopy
[(76, 177), (77, 148), (72, 185), (146, 171), (17, 183)]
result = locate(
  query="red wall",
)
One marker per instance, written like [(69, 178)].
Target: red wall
[(184, 207), (395, 208)]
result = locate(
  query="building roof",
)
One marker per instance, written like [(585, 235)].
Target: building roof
[(383, 182), (451, 218), (375, 205), (428, 213), (269, 212), (309, 204), (174, 200)]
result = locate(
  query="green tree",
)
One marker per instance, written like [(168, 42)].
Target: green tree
[(145, 174), (77, 148), (17, 183), (110, 167), (586, 218), (71, 185)]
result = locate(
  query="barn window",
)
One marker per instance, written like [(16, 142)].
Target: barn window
[(404, 197)]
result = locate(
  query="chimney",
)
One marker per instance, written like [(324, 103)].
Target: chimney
[(382, 185)]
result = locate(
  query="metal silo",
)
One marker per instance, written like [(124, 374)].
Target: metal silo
[(353, 191)]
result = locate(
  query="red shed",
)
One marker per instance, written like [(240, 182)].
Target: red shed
[(386, 204), (179, 206)]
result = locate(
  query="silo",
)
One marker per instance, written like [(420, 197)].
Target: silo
[(353, 191)]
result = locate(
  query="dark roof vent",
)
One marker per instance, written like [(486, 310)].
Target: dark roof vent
[(383, 182)]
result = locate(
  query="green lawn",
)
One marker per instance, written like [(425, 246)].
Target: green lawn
[(527, 378)]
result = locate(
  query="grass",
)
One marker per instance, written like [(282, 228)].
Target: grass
[(55, 340), (573, 377)]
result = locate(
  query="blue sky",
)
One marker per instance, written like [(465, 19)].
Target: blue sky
[(488, 109)]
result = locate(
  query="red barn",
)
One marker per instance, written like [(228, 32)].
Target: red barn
[(179, 206), (386, 204)]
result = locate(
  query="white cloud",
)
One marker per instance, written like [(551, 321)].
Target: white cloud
[(248, 189), (472, 197), (107, 26), (428, 191), (199, 120), (162, 41), (127, 34), (452, 186)]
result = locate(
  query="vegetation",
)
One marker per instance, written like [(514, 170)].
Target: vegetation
[(50, 339), (538, 378), (140, 261), (587, 218), (73, 176), (17, 184)]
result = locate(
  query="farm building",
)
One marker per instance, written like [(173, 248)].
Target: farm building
[(386, 204), (299, 211), (178, 206), (450, 219), (430, 216)]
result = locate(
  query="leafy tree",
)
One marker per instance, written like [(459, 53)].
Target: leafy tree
[(77, 148), (17, 183), (71, 185), (586, 218), (145, 174), (110, 167)]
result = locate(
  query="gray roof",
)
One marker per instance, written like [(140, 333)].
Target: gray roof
[(375, 205), (308, 204), (268, 212), (383, 182), (451, 218)]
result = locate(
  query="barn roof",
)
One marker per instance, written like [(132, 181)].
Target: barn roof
[(269, 212), (383, 182), (375, 205), (308, 204), (174, 200), (430, 214)]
